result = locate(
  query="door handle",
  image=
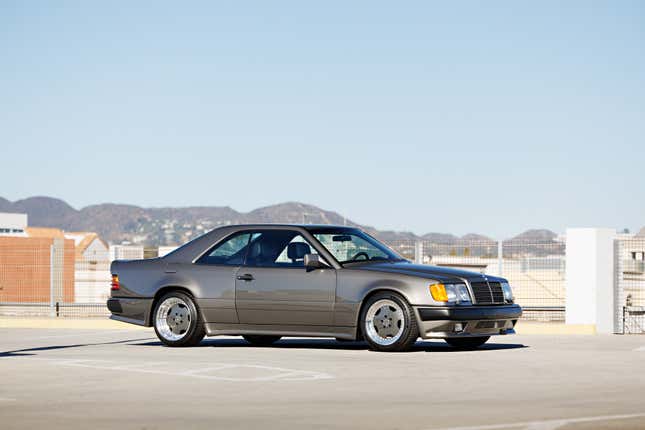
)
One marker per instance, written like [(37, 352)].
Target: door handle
[(246, 277)]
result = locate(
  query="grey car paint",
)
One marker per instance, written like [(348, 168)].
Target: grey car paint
[(285, 300)]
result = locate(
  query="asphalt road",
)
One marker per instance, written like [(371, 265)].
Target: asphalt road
[(69, 379)]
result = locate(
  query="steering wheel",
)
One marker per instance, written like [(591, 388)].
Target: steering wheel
[(364, 254)]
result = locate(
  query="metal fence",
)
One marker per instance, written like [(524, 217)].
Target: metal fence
[(58, 309), (629, 264), (51, 280), (56, 281), (535, 269)]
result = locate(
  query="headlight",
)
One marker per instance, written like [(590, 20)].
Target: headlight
[(462, 293), (450, 293), (508, 292)]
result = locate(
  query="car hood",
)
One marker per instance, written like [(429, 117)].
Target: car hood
[(425, 271)]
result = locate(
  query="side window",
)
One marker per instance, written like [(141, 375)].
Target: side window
[(230, 252), (294, 253), (278, 248)]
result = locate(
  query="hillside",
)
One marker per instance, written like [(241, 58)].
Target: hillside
[(119, 223)]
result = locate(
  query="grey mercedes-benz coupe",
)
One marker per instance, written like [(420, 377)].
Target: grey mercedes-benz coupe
[(267, 281)]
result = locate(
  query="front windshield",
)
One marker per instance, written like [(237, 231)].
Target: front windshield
[(353, 246)]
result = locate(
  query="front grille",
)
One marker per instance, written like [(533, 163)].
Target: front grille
[(496, 290), (487, 293)]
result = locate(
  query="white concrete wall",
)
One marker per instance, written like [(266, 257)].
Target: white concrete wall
[(165, 250), (91, 286), (590, 278)]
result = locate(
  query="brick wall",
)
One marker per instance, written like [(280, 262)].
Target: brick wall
[(25, 270)]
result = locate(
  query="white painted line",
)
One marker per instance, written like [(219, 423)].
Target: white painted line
[(642, 348), (7, 399), (196, 372), (546, 424), (272, 373)]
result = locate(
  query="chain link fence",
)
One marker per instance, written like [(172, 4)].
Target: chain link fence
[(629, 264), (52, 279), (46, 277), (535, 269)]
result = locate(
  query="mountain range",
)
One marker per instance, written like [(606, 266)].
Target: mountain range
[(118, 223)]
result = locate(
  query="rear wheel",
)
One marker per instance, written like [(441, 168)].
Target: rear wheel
[(177, 321), (467, 342), (388, 323), (261, 340)]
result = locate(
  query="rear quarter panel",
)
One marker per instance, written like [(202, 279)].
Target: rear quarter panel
[(213, 287), (137, 278)]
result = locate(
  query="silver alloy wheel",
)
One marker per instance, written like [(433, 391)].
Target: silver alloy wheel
[(384, 322), (173, 318)]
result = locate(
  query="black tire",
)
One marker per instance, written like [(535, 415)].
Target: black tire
[(261, 340), (467, 342), (195, 331), (410, 331)]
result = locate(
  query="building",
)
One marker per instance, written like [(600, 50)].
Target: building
[(41, 265), (165, 250), (630, 262), (126, 252), (92, 267), (38, 268), (13, 224)]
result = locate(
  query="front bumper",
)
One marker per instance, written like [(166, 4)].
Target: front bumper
[(466, 321)]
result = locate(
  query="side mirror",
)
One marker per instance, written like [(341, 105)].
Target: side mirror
[(313, 262)]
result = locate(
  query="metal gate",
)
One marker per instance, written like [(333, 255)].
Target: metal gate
[(629, 291)]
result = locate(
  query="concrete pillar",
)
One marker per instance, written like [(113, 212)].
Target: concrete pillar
[(590, 278), (418, 252)]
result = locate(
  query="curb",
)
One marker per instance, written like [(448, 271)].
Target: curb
[(538, 328)]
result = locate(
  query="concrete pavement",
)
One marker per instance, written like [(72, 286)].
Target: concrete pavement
[(108, 378)]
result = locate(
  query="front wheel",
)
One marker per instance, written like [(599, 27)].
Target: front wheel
[(388, 323), (177, 321), (467, 342)]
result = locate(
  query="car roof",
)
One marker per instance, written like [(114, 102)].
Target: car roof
[(305, 226)]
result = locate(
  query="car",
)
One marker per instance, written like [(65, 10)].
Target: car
[(268, 281)]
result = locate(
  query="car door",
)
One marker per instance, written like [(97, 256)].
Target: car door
[(214, 273), (274, 288)]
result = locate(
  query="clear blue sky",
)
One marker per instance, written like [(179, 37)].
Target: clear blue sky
[(489, 117)]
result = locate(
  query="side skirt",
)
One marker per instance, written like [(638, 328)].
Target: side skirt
[(215, 329)]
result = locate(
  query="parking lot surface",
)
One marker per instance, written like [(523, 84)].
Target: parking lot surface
[(80, 378)]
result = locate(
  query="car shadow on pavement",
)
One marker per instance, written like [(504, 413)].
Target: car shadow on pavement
[(420, 346), (440, 346), (32, 351)]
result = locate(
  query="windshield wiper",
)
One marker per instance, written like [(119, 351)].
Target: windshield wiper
[(374, 260)]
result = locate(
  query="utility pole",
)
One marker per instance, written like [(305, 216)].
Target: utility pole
[(500, 257), (52, 310)]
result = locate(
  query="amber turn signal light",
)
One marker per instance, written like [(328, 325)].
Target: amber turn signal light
[(438, 292)]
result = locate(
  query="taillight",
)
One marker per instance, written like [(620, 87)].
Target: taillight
[(115, 283)]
